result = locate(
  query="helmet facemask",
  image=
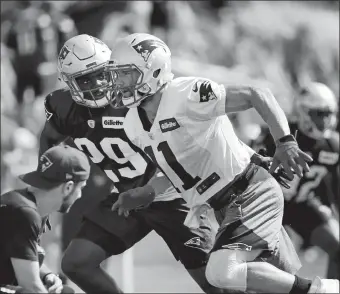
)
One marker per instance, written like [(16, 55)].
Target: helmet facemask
[(81, 64), (128, 88), (85, 89), (316, 122)]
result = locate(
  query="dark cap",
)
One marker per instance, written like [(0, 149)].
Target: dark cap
[(58, 165)]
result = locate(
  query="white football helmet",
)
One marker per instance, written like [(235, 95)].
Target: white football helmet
[(149, 58), (316, 108), (85, 55)]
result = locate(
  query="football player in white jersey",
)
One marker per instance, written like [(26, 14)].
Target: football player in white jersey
[(182, 125)]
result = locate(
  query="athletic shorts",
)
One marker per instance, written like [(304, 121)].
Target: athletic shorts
[(305, 217), (115, 233), (252, 219)]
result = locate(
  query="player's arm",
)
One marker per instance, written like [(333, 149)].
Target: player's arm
[(23, 250), (28, 275), (44, 270), (238, 98), (142, 196), (134, 198), (49, 137), (208, 100), (52, 132)]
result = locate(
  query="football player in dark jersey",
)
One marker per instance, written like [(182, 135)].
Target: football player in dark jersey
[(56, 184), (311, 204), (82, 112)]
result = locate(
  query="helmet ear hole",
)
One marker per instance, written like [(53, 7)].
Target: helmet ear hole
[(156, 73)]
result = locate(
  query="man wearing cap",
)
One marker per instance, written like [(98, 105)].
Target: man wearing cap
[(55, 185)]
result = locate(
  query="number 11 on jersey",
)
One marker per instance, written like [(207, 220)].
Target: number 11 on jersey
[(188, 180)]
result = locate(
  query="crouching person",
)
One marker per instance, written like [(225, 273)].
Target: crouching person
[(55, 185)]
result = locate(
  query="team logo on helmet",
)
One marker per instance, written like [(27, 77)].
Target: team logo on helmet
[(63, 53), (205, 90), (145, 48)]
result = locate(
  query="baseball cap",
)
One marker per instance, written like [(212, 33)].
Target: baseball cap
[(57, 165)]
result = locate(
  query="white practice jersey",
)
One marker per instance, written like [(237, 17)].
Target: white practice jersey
[(192, 139)]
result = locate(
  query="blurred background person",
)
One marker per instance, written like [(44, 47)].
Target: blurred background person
[(314, 197), (159, 20), (37, 33)]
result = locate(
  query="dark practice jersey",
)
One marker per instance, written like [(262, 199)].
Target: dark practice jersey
[(322, 179), (20, 231), (100, 134)]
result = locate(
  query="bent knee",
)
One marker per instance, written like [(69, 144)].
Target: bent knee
[(226, 272), (81, 255)]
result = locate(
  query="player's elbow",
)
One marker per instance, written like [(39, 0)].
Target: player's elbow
[(261, 94)]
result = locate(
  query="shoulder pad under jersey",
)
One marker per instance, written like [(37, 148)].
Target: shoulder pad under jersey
[(58, 105), (204, 90), (205, 99)]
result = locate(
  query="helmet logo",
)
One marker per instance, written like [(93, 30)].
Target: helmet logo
[(63, 53), (145, 48)]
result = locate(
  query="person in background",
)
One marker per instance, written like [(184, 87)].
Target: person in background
[(315, 196), (37, 32), (159, 19)]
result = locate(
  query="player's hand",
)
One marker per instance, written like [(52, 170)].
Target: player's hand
[(133, 199), (290, 156), (53, 283), (265, 161), (119, 207)]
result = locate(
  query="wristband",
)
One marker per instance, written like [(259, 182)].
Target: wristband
[(256, 158), (287, 138)]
